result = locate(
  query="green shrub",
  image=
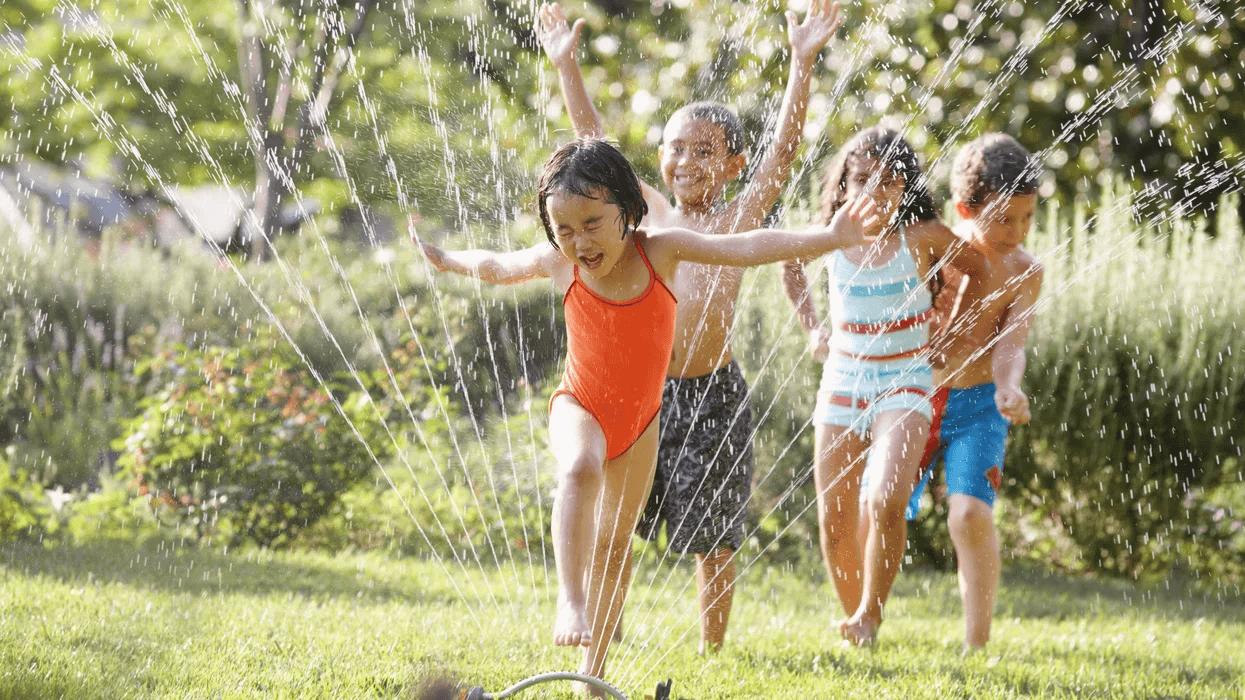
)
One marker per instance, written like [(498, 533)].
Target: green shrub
[(24, 509), (453, 494), (72, 416), (113, 512), (242, 444), (1137, 382)]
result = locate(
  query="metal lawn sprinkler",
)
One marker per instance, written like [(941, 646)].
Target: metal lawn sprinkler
[(477, 693)]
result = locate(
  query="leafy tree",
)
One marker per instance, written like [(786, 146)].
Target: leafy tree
[(354, 102)]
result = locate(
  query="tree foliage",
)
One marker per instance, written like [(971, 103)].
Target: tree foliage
[(447, 107)]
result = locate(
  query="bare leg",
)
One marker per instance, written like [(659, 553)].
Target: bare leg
[(977, 548), (898, 440), (838, 463), (579, 450), (715, 578), (626, 485)]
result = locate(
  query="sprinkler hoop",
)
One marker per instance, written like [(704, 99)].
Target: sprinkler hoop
[(477, 693)]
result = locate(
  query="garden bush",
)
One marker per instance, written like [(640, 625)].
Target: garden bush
[(24, 509), (73, 324), (454, 494), (241, 443), (1137, 383)]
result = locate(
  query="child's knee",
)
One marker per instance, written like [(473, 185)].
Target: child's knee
[(888, 506), (581, 471), (969, 519)]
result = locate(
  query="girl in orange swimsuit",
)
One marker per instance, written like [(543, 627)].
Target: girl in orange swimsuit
[(603, 418)]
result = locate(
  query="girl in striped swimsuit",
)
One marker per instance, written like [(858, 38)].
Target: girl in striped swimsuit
[(872, 413)]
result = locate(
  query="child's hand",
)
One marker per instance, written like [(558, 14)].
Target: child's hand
[(559, 40), (851, 221), (434, 255), (821, 22), (1013, 404), (819, 343)]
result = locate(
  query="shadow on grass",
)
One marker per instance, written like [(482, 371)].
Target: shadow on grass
[(1049, 595), (185, 569)]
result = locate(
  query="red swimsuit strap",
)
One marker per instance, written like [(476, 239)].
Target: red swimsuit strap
[(652, 273), (653, 279)]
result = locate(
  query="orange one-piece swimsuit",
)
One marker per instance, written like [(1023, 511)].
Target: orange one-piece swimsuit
[(617, 354)]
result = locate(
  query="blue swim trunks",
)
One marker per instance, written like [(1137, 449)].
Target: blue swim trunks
[(970, 435)]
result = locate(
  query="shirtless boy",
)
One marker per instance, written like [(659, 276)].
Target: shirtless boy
[(980, 358), (704, 466)]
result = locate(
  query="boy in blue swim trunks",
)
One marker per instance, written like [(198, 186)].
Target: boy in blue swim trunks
[(979, 358)]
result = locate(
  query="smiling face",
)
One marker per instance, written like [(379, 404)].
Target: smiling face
[(588, 230), (1001, 223), (869, 177), (696, 163)]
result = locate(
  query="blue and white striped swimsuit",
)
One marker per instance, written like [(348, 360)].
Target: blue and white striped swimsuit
[(878, 349)]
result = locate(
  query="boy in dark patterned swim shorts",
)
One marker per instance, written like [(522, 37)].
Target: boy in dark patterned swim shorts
[(704, 466), (706, 443), (703, 482)]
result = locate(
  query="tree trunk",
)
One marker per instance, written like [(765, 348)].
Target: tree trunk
[(263, 223), (267, 91)]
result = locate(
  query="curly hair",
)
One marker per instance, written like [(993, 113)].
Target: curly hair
[(890, 148), (993, 164), (591, 168)]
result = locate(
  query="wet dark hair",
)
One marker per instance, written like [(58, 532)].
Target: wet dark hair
[(720, 114), (591, 168), (888, 147), (993, 164)]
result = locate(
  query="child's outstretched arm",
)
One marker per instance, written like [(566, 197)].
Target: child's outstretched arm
[(795, 284), (493, 267), (561, 41), (1008, 356), (807, 40), (770, 245)]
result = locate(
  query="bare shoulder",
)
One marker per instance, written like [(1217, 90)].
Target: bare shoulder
[(551, 258), (1021, 278), (931, 240), (929, 232), (738, 215), (557, 266), (658, 205), (1024, 268), (662, 246)]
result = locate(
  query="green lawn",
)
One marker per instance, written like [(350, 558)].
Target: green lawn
[(120, 621)]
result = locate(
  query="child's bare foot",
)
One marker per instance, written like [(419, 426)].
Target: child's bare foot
[(572, 628), (860, 630)]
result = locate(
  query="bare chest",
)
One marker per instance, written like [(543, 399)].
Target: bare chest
[(983, 305), (700, 288)]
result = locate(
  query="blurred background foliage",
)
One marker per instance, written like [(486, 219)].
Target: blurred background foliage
[(447, 107)]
